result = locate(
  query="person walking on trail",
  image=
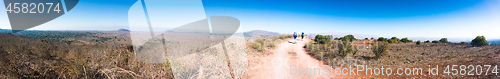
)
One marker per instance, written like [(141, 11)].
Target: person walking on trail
[(295, 37), (302, 36)]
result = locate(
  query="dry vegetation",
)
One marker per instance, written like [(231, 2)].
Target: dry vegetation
[(196, 55), (261, 44), (86, 55), (408, 55)]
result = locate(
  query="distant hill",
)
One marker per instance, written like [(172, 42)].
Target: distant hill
[(254, 33), (494, 42), (123, 30), (5, 30)]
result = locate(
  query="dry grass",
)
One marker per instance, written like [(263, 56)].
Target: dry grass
[(408, 55), (34, 58), (262, 44)]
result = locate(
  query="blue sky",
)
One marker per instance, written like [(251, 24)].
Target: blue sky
[(458, 19)]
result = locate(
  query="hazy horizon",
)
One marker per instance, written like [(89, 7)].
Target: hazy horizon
[(413, 19)]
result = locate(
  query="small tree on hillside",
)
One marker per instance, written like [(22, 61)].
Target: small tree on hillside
[(391, 41), (443, 40), (348, 38), (322, 39), (418, 42), (427, 41), (395, 39), (479, 41), (381, 39), (405, 40)]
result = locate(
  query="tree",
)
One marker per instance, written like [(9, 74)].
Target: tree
[(405, 40), (427, 41), (348, 38), (395, 38), (391, 41), (381, 39), (479, 41), (418, 42), (322, 39), (371, 38), (366, 38), (443, 40)]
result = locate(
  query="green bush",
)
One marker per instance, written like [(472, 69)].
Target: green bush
[(258, 45), (379, 49), (381, 39), (443, 40), (427, 41), (391, 41), (347, 38), (405, 40), (435, 41), (479, 41), (395, 39), (321, 51), (371, 38), (322, 39), (418, 42), (345, 48), (366, 38)]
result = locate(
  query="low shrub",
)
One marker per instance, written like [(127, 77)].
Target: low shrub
[(345, 48), (427, 41), (322, 51), (284, 36), (257, 46), (379, 49), (435, 41), (418, 42)]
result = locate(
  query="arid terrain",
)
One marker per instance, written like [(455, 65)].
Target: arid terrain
[(276, 64), (68, 54), (410, 55), (110, 54), (275, 61)]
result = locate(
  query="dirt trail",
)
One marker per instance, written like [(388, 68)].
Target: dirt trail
[(286, 59)]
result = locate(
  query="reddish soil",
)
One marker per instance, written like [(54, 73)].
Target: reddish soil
[(284, 61)]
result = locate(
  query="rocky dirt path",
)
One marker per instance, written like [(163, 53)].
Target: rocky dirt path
[(284, 62)]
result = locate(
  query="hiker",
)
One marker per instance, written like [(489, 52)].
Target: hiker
[(295, 37), (302, 35)]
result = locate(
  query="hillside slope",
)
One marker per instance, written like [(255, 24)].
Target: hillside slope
[(22, 57)]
